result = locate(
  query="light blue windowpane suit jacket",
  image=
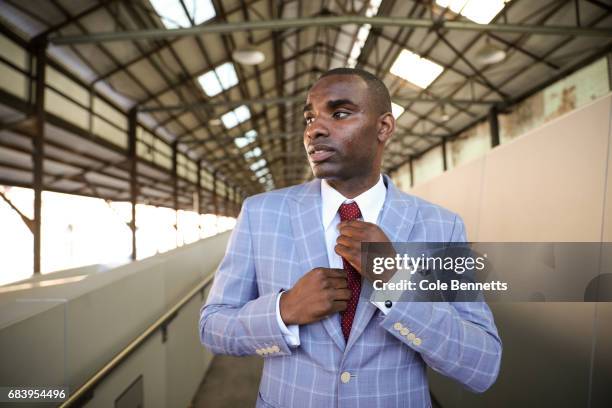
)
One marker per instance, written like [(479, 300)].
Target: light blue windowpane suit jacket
[(277, 239)]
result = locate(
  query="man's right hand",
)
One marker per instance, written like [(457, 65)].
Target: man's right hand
[(319, 293)]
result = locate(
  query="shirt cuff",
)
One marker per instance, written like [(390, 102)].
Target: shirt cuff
[(291, 333), (384, 307)]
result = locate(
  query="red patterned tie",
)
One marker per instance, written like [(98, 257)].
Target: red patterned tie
[(350, 212)]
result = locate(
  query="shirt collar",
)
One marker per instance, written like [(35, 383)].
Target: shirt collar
[(370, 202)]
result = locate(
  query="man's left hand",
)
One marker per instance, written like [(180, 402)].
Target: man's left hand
[(348, 244)]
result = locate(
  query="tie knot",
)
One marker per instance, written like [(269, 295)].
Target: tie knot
[(349, 211)]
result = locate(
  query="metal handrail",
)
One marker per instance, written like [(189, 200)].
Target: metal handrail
[(85, 391)]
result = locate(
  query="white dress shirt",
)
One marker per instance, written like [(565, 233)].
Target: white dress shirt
[(370, 204)]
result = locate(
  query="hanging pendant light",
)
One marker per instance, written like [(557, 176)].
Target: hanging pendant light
[(490, 54), (248, 56)]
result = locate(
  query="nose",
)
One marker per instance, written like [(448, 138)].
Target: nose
[(315, 129)]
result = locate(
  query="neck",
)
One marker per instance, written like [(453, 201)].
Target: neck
[(351, 188)]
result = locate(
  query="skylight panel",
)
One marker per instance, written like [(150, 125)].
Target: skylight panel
[(396, 110), (200, 10), (227, 75), (373, 8), (479, 11), (258, 164), (251, 154), (248, 138), (229, 119), (171, 13), (242, 113), (415, 69), (219, 79), (362, 34), (236, 116), (210, 84), (261, 172)]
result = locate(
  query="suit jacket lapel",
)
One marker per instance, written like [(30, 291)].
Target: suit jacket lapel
[(309, 239), (396, 220)]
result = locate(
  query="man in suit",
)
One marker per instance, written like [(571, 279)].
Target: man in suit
[(292, 290)]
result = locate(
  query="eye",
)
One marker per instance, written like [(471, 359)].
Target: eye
[(340, 114), (308, 121)]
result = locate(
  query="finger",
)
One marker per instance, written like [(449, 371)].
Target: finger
[(348, 241), (342, 294), (347, 252), (353, 223), (352, 231), (339, 306), (339, 283), (335, 273)]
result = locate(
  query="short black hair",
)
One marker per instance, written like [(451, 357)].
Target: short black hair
[(380, 94)]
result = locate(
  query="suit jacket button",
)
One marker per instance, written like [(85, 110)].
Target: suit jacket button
[(404, 331), (275, 349), (417, 342), (398, 326), (345, 377)]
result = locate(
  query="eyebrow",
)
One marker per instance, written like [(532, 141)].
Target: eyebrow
[(333, 104)]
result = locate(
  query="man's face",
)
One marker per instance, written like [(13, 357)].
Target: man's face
[(340, 134)]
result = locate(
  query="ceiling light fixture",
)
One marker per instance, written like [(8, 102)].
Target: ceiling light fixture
[(490, 54), (248, 56), (445, 116)]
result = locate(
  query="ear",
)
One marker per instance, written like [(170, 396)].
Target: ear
[(386, 127)]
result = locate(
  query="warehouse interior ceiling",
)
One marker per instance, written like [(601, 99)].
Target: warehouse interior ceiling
[(174, 65)]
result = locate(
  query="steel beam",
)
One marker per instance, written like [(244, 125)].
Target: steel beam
[(302, 98), (330, 21), (211, 104)]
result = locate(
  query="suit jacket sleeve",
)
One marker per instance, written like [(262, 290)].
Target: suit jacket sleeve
[(236, 318), (456, 339)]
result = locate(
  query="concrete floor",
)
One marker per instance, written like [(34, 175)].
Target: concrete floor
[(230, 382)]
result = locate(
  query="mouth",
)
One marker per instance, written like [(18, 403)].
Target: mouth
[(320, 153)]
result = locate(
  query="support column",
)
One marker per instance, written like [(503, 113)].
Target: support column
[(234, 202), (411, 167), (175, 187), (175, 175), (133, 160), (214, 194), (199, 188), (494, 126), (39, 146), (444, 162), (609, 61)]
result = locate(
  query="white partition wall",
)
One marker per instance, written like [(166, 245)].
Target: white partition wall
[(547, 185), (553, 184), (63, 334)]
